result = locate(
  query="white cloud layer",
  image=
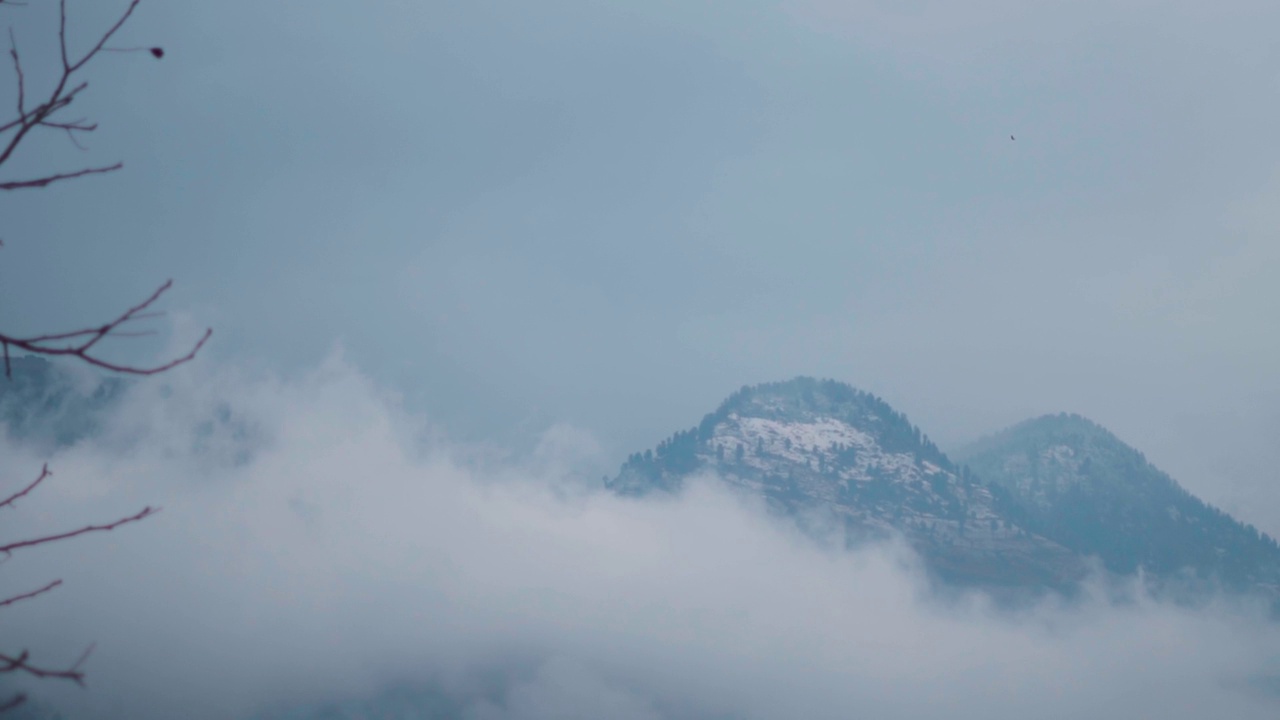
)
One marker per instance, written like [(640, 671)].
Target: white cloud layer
[(319, 545)]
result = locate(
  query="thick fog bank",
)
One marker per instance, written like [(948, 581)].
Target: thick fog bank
[(317, 545)]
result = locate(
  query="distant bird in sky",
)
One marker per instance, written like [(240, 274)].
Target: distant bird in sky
[(1012, 137)]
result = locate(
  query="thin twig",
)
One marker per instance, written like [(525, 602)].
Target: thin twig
[(72, 137), (59, 98), (29, 595), (13, 702), (87, 338), (41, 182), (15, 664), (17, 68), (73, 125), (75, 533), (44, 473), (103, 41)]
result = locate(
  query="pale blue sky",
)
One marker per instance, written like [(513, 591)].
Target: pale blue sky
[(613, 214)]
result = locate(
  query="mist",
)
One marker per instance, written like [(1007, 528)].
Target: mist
[(318, 544)]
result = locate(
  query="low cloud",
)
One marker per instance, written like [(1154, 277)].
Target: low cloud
[(319, 547)]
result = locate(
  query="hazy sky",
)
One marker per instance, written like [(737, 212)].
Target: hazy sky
[(612, 214)]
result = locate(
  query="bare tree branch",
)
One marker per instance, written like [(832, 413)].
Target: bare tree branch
[(41, 182), (31, 118), (96, 48), (44, 473), (49, 344), (73, 125), (17, 68), (19, 664), (28, 595), (7, 549), (36, 110)]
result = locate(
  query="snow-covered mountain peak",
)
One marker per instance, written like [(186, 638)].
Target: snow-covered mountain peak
[(806, 444)]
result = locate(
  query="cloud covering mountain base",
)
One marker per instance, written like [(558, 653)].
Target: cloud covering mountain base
[(320, 548)]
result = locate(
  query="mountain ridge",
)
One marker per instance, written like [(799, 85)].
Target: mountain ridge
[(1029, 506), (1072, 480), (805, 443)]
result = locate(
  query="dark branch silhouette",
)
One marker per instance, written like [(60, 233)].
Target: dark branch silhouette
[(47, 179), (41, 116), (64, 92), (44, 473), (7, 549), (31, 594), (37, 112), (80, 343), (20, 663)]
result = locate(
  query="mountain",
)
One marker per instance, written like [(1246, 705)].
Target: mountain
[(806, 444), (48, 405), (44, 403), (1072, 481)]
